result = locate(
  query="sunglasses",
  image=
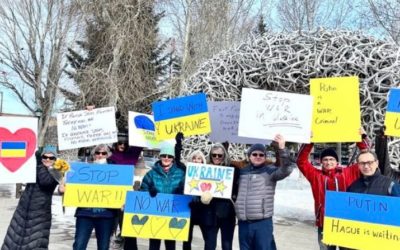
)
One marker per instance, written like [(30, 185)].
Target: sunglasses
[(257, 155), (52, 158), (167, 156), (100, 153), (217, 155)]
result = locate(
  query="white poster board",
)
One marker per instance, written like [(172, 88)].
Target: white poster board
[(224, 118), (86, 128), (18, 144), (263, 114), (217, 180), (142, 130)]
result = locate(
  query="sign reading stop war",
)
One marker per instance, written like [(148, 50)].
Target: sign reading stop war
[(188, 115), (336, 110), (97, 185), (362, 221), (392, 116), (86, 128)]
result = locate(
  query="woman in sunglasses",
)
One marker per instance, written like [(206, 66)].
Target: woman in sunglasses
[(31, 222), (165, 177), (102, 220)]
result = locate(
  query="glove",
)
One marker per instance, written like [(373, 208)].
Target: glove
[(153, 191), (179, 138), (206, 198)]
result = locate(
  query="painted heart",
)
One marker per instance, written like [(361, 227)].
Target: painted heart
[(138, 223), (157, 223), (21, 135), (205, 186), (176, 226)]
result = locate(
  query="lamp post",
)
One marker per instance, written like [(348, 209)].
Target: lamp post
[(38, 114), (1, 102)]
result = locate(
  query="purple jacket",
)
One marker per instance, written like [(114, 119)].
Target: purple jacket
[(128, 157)]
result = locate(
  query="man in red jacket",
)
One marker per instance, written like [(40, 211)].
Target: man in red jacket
[(331, 177)]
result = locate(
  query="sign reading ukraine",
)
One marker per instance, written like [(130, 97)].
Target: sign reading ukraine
[(201, 178), (188, 115), (97, 185), (17, 149), (392, 117), (362, 221), (166, 216)]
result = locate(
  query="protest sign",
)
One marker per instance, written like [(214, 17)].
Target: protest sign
[(166, 216), (392, 116), (362, 221), (97, 185), (86, 128), (263, 114), (188, 115), (217, 180), (336, 109), (142, 130), (224, 118), (17, 149)]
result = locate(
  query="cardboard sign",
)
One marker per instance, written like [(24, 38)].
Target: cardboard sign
[(263, 114), (217, 180), (86, 128), (188, 115), (166, 216), (142, 130), (392, 117), (224, 118), (17, 149), (336, 110), (361, 221), (97, 185)]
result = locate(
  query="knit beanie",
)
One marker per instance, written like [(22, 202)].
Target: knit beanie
[(256, 147), (48, 149), (329, 152), (167, 149)]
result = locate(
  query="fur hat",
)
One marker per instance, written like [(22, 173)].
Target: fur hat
[(256, 147), (329, 152)]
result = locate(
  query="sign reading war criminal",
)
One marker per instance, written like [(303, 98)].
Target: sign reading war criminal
[(97, 185), (201, 178), (362, 221), (392, 116), (86, 128), (166, 216), (336, 110)]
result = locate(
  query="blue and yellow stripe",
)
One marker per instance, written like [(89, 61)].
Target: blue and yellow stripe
[(13, 149)]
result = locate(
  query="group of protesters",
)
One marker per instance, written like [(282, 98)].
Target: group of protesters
[(250, 207)]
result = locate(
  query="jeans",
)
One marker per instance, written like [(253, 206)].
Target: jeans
[(84, 227), (256, 235), (227, 226), (156, 244)]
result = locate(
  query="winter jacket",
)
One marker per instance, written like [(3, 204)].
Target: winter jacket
[(30, 225), (128, 157), (337, 179), (171, 182), (257, 188), (376, 184)]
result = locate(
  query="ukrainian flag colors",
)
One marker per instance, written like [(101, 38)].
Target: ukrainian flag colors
[(362, 221), (392, 117), (98, 185), (165, 216), (188, 115), (12, 149)]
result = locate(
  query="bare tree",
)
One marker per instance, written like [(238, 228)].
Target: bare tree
[(34, 35), (387, 16)]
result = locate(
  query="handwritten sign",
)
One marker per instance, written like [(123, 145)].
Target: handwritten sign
[(361, 221), (217, 180), (188, 115), (165, 216), (336, 110), (392, 116), (142, 130), (263, 114), (97, 185), (224, 118), (86, 128), (17, 149)]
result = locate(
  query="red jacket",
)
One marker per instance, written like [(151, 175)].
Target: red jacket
[(337, 179)]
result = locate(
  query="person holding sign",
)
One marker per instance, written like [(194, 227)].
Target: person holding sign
[(331, 177), (255, 202), (102, 220), (165, 177)]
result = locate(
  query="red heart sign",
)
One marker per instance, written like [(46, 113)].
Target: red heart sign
[(205, 186), (21, 135)]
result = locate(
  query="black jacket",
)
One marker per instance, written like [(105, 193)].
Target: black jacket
[(376, 184)]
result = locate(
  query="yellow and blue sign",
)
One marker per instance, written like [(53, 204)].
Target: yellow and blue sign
[(166, 216), (188, 115), (98, 185), (392, 117), (12, 149), (362, 221)]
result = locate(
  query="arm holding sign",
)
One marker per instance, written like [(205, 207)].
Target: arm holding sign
[(286, 165), (178, 150)]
